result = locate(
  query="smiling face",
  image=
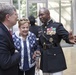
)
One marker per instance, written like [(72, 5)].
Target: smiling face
[(24, 27), (44, 15)]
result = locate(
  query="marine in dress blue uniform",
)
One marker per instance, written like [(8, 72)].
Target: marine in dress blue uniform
[(50, 35)]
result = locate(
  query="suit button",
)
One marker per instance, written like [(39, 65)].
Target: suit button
[(54, 54)]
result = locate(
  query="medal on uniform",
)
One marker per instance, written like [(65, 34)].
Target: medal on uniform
[(51, 31), (54, 31), (51, 39), (48, 31), (44, 45)]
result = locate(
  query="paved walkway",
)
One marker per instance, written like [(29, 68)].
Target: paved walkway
[(70, 55)]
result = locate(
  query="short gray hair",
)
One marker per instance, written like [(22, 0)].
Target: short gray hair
[(6, 9)]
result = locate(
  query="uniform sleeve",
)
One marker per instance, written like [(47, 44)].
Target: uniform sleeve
[(63, 33), (6, 59)]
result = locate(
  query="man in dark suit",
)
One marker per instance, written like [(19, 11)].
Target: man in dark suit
[(50, 35), (9, 59)]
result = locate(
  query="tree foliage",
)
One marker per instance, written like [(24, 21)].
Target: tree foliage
[(32, 7)]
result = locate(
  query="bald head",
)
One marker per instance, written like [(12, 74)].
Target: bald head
[(44, 15), (45, 10)]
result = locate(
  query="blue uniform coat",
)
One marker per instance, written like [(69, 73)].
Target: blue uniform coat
[(52, 57)]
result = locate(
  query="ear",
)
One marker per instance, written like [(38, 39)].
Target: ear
[(8, 17)]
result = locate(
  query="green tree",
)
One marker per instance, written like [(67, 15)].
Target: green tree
[(32, 8)]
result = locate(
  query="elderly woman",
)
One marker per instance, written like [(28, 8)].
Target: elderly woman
[(25, 43)]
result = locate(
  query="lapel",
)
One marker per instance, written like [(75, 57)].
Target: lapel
[(6, 33), (9, 38)]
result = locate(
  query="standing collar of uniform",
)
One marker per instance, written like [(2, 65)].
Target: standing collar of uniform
[(49, 21)]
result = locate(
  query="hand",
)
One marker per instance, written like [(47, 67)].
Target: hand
[(75, 38), (72, 38), (36, 53)]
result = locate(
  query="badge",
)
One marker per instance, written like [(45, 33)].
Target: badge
[(48, 31), (51, 39)]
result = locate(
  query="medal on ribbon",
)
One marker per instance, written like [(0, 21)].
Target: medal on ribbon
[(51, 31), (51, 39)]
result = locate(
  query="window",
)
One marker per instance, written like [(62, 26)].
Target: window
[(60, 11)]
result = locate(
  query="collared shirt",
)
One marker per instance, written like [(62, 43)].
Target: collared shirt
[(6, 27)]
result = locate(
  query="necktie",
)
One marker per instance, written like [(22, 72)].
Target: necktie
[(10, 32)]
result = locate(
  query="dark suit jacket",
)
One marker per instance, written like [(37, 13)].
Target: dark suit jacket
[(8, 58), (52, 58)]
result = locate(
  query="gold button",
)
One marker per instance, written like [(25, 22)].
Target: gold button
[(54, 54), (44, 31), (45, 26)]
